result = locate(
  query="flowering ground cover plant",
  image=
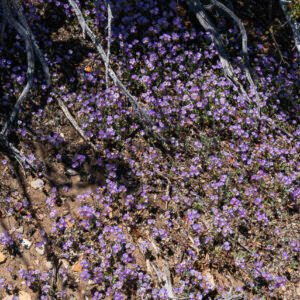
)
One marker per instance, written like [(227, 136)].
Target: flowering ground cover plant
[(192, 193)]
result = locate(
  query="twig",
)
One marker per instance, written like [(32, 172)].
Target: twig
[(75, 124), (109, 18), (276, 45)]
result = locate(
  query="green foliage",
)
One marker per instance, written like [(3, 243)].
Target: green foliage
[(295, 9)]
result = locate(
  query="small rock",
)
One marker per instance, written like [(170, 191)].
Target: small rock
[(24, 296), (26, 244), (37, 184), (40, 250), (2, 258), (71, 172)]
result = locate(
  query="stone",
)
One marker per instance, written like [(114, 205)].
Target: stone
[(37, 184), (26, 244), (71, 172)]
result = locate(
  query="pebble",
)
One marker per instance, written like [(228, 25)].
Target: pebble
[(37, 184), (71, 172), (26, 244)]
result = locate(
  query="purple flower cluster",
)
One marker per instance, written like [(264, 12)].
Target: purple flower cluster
[(219, 211)]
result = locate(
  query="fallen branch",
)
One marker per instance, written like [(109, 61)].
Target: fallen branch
[(141, 113), (7, 14), (198, 9), (244, 39), (32, 51), (18, 8)]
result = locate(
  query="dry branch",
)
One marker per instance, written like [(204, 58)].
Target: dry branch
[(7, 14), (244, 38), (32, 51), (140, 112), (198, 9), (18, 8), (109, 19)]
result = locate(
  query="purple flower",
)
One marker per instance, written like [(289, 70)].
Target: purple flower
[(226, 246)]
